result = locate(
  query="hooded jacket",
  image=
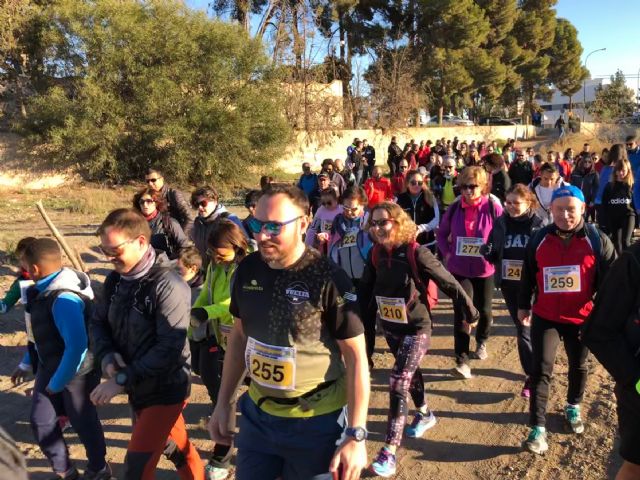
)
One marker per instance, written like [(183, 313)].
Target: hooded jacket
[(203, 226), (60, 305)]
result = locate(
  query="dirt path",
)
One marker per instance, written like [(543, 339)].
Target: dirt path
[(481, 422)]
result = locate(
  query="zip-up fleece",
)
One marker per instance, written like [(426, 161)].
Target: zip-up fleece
[(452, 227)]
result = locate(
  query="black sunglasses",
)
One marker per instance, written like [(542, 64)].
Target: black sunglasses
[(416, 183), (381, 223), (468, 187)]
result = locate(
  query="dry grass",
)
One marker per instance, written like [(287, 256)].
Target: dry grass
[(606, 137)]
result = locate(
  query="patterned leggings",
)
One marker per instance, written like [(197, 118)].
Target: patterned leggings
[(406, 378)]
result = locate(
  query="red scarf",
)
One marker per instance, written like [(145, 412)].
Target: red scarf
[(152, 216)]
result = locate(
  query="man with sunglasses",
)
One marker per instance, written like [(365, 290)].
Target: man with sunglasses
[(444, 185), (139, 332), (177, 206), (521, 170), (298, 335), (397, 181)]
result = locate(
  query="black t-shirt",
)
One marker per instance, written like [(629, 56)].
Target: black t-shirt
[(312, 293)]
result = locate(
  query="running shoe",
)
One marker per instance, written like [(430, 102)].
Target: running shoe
[(385, 463), (462, 370), (215, 473), (481, 352), (104, 474), (72, 474), (536, 442), (572, 414), (421, 423), (526, 389)]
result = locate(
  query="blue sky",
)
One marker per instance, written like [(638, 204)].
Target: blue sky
[(610, 24)]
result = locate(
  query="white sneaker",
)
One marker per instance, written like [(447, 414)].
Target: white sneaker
[(462, 370)]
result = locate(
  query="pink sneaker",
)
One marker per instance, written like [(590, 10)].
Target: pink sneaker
[(526, 389)]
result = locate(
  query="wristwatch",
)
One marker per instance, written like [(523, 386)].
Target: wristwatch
[(121, 378), (357, 433)]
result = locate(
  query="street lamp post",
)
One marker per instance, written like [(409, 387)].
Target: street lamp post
[(584, 83)]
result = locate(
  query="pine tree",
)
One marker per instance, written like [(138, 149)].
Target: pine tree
[(566, 71), (613, 101)]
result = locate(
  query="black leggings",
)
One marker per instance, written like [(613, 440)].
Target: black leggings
[(621, 232), (545, 338), (510, 294), (481, 291)]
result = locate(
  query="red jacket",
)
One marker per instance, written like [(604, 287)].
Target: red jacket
[(397, 184), (564, 277), (378, 190)]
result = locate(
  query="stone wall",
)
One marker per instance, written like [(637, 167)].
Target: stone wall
[(315, 147)]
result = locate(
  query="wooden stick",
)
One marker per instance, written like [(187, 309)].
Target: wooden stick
[(60, 238)]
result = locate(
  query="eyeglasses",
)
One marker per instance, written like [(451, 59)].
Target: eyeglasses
[(152, 180), (350, 209), (380, 223), (468, 187), (271, 228), (416, 183), (146, 201), (202, 203), (116, 251)]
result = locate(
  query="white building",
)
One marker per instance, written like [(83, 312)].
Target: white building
[(559, 103)]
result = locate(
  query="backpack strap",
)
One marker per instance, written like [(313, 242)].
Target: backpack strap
[(594, 240), (412, 250), (375, 255)]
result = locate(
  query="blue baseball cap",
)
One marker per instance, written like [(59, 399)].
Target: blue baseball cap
[(568, 191)]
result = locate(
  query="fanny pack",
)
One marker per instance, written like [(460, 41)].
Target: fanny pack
[(301, 400)]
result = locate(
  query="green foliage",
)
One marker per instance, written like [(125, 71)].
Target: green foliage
[(565, 69), (154, 83), (613, 101)]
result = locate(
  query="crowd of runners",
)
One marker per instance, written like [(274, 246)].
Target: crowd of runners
[(285, 305)]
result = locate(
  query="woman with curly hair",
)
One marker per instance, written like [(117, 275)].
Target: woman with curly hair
[(392, 287), (464, 229), (166, 233)]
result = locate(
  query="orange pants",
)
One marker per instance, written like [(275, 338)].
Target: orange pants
[(153, 427)]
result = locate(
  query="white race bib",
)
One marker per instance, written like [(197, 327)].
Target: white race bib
[(562, 279), (349, 238), (469, 246), (392, 309), (512, 270), (271, 366), (325, 226)]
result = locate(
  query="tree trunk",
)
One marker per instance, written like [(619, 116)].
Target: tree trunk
[(345, 69)]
